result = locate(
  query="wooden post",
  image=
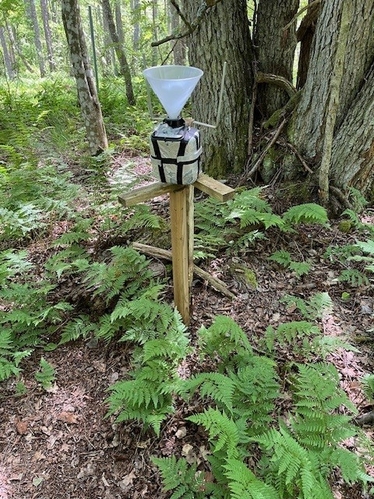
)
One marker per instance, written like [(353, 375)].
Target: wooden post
[(182, 228), (181, 246)]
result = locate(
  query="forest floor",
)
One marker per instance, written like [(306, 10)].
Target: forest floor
[(58, 444)]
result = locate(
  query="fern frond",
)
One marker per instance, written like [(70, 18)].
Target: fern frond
[(224, 338), (216, 386), (244, 484), (223, 432), (181, 477), (46, 374), (309, 213)]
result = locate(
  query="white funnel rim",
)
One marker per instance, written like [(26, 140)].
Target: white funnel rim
[(150, 72)]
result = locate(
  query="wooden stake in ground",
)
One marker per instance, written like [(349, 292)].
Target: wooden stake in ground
[(182, 228)]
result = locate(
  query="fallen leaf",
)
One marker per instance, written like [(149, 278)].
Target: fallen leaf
[(22, 427), (127, 481), (67, 417)]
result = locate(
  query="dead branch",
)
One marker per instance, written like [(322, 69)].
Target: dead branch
[(258, 163), (191, 27), (166, 255), (299, 157), (341, 197)]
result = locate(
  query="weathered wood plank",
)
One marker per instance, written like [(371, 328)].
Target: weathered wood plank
[(147, 192), (214, 188)]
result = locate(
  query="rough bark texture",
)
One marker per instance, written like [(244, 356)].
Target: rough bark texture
[(87, 94), (120, 53), (305, 35), (310, 122), (275, 49), (222, 36), (352, 162)]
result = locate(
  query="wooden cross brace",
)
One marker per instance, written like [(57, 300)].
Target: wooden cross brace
[(182, 228)]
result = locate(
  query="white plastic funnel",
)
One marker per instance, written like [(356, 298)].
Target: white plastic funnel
[(173, 85)]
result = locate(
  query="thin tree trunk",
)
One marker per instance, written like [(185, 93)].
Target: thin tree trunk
[(87, 93), (47, 34), (6, 56), (178, 46), (37, 36), (15, 49), (121, 56), (135, 7), (333, 103)]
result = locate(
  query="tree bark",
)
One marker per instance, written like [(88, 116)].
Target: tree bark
[(311, 116), (333, 123), (275, 49), (305, 35), (47, 34), (120, 53), (352, 157), (87, 93), (177, 46), (6, 56), (37, 38), (223, 35)]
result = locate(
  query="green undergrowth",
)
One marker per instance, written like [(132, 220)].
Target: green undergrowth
[(274, 428)]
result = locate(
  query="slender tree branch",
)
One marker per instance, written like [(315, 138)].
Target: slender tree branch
[(258, 163), (191, 27), (298, 13), (179, 12)]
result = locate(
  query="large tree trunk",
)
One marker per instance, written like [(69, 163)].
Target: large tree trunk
[(329, 115), (312, 110), (223, 35), (118, 48), (275, 49), (87, 93), (352, 158)]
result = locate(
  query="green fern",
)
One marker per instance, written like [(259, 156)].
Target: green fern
[(366, 247), (317, 397), (284, 259), (243, 483), (46, 374), (183, 478), (309, 213), (223, 431), (224, 339), (127, 269), (149, 396), (318, 305), (353, 277)]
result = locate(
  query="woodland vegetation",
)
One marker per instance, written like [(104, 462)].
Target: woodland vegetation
[(269, 394)]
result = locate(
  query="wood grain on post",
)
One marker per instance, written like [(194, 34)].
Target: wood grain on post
[(180, 216)]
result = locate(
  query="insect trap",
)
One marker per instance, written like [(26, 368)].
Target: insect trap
[(175, 146)]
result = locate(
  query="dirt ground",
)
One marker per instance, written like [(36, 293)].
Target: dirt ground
[(59, 444)]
